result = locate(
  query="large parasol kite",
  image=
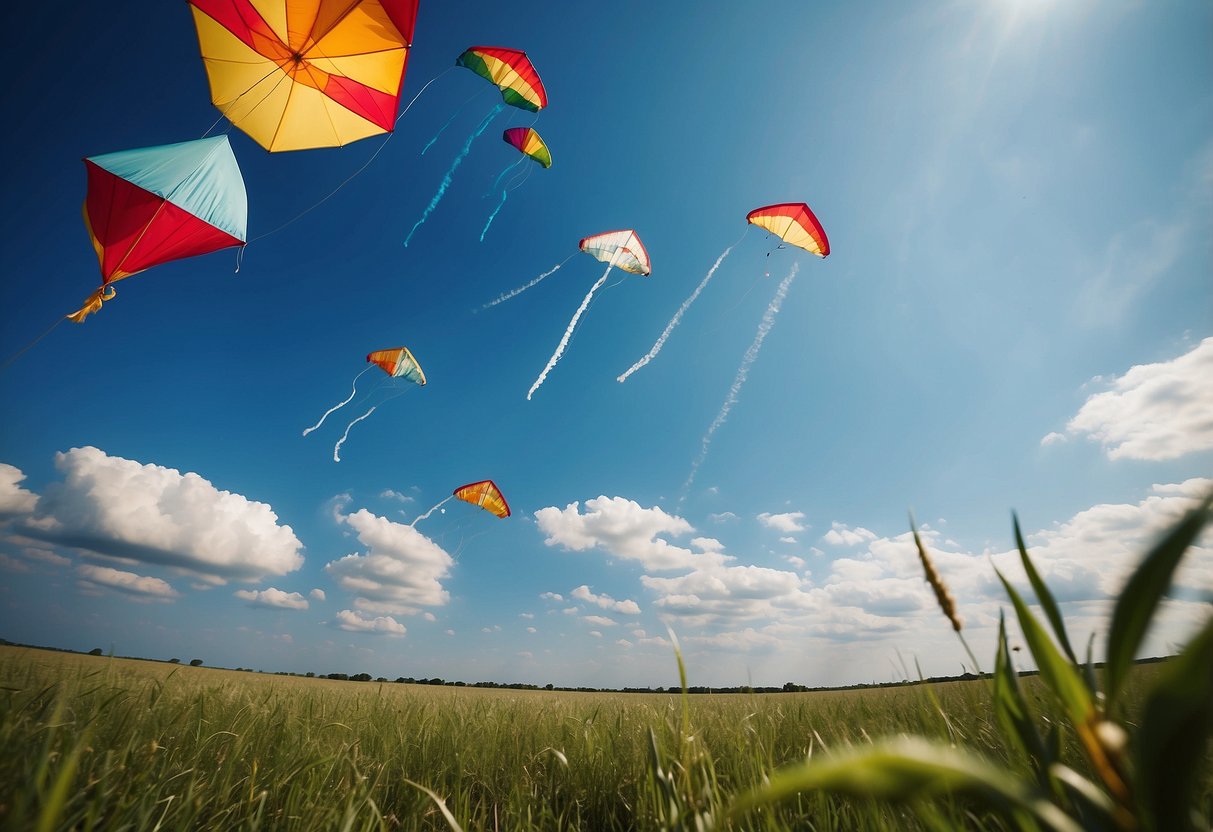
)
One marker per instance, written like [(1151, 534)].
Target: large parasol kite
[(298, 74), (151, 205)]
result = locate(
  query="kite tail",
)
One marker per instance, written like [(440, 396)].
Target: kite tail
[(431, 511), (339, 406), (92, 304), (568, 333), (493, 216), (743, 371), (346, 435), (500, 176), (507, 295), (441, 130), (446, 179), (686, 304)]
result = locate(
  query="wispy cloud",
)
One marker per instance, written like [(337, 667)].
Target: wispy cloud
[(787, 522), (95, 578), (356, 622), (627, 607), (272, 598)]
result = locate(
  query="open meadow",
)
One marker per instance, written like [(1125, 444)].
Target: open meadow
[(98, 742)]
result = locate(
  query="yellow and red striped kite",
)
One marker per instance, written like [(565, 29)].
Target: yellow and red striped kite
[(485, 494), (793, 223), (298, 74)]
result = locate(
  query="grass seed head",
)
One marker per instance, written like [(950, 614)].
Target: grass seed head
[(947, 602)]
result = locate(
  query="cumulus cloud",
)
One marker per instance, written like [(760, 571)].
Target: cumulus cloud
[(356, 622), (95, 578), (400, 572), (316, 594), (272, 598), (842, 535), (600, 620), (623, 528), (389, 494), (787, 523), (15, 501), (1154, 411), (552, 596), (583, 593), (136, 513), (787, 540), (531, 630), (722, 517)]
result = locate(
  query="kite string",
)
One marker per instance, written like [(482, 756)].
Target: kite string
[(346, 435), (365, 165), (568, 333), (223, 113), (353, 392), (431, 511), (31, 344)]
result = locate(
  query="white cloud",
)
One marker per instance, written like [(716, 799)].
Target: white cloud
[(623, 528), (595, 633), (44, 556), (272, 598), (526, 615), (787, 523), (531, 630), (787, 540), (841, 535), (582, 593), (722, 517), (401, 571), (429, 616), (15, 501), (1052, 438), (137, 513), (317, 594), (356, 622), (389, 494), (600, 620), (13, 565), (552, 596), (1154, 411), (138, 586), (624, 643)]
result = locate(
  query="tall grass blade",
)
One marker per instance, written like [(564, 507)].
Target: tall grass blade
[(1142, 594), (1061, 676), (1176, 726), (905, 770), (438, 801), (1012, 711), (1043, 595)]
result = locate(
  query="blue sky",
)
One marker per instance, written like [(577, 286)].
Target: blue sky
[(1016, 314)]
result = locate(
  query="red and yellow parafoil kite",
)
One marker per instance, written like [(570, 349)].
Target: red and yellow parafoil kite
[(511, 70), (398, 363), (298, 74), (529, 144), (151, 205), (621, 249), (484, 494), (793, 223)]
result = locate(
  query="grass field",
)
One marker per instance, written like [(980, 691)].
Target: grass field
[(95, 742), (91, 742)]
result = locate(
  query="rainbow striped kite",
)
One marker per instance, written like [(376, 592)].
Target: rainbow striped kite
[(511, 70)]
